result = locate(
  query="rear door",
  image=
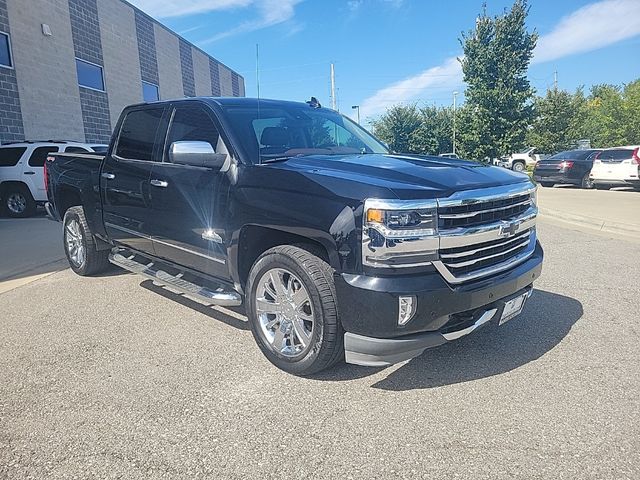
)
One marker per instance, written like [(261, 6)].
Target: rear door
[(33, 171), (190, 203), (10, 163), (125, 178)]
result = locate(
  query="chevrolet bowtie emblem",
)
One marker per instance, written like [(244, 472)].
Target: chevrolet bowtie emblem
[(509, 229)]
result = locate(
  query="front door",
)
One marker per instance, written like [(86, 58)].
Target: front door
[(189, 203), (125, 176)]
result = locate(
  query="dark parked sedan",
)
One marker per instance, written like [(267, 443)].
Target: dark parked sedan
[(570, 167)]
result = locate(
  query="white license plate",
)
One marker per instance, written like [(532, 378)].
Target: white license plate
[(512, 308)]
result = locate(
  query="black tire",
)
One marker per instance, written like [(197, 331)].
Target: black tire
[(93, 261), (586, 182), (547, 184), (326, 346), (518, 167), (18, 202), (600, 186)]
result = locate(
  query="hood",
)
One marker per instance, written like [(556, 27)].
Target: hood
[(407, 176)]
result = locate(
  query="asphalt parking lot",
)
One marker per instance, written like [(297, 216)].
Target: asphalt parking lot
[(113, 377)]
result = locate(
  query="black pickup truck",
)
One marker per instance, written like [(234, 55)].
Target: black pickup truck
[(337, 247)]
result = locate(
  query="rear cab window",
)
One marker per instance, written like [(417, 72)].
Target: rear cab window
[(39, 155), (138, 133), (10, 156)]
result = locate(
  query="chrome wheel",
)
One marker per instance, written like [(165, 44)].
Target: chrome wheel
[(17, 203), (74, 243), (284, 311), (518, 167)]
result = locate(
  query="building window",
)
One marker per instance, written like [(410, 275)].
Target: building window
[(5, 51), (150, 92), (89, 75)]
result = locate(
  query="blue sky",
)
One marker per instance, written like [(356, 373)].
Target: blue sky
[(394, 51)]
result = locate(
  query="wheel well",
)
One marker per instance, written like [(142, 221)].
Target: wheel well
[(7, 185), (255, 240), (67, 198)]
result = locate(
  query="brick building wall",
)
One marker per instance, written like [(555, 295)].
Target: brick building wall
[(40, 95)]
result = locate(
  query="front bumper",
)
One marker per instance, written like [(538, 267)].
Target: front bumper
[(369, 309), (381, 352)]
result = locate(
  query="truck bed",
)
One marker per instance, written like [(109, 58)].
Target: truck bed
[(70, 173)]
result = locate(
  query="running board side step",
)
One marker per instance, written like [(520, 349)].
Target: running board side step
[(216, 297)]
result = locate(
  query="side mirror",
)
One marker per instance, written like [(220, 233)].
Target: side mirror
[(196, 154)]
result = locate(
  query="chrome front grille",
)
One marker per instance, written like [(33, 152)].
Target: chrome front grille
[(464, 260), (471, 214), (486, 231)]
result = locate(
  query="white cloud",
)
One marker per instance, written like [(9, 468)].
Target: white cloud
[(177, 8), (591, 27), (444, 76), (271, 12)]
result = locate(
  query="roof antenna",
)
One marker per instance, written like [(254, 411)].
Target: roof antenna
[(314, 103)]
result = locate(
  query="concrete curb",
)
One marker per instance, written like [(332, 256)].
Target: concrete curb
[(594, 223)]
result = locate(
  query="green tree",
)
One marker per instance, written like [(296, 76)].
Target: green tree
[(402, 128), (631, 112), (496, 58), (438, 121), (604, 116), (555, 122)]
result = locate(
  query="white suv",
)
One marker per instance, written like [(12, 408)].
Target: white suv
[(22, 176), (617, 167)]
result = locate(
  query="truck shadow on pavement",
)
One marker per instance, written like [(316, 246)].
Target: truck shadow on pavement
[(545, 321), (235, 318)]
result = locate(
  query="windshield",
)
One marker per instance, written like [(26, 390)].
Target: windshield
[(288, 130), (527, 150)]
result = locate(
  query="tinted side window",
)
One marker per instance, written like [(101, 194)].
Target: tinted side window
[(10, 156), (192, 123), (138, 133), (75, 150), (39, 155)]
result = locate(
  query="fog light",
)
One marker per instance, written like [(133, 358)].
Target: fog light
[(406, 309)]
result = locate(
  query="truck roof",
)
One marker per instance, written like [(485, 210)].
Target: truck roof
[(228, 101)]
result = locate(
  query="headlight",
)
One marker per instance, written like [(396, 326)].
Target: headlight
[(534, 197), (398, 233)]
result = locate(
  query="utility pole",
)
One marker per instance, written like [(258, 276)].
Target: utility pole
[(555, 80), (357, 109), (333, 88), (455, 94)]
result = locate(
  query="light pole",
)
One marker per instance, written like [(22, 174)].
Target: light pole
[(357, 109), (455, 94)]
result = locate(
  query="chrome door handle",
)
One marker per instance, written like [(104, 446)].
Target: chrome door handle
[(108, 176), (159, 183)]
